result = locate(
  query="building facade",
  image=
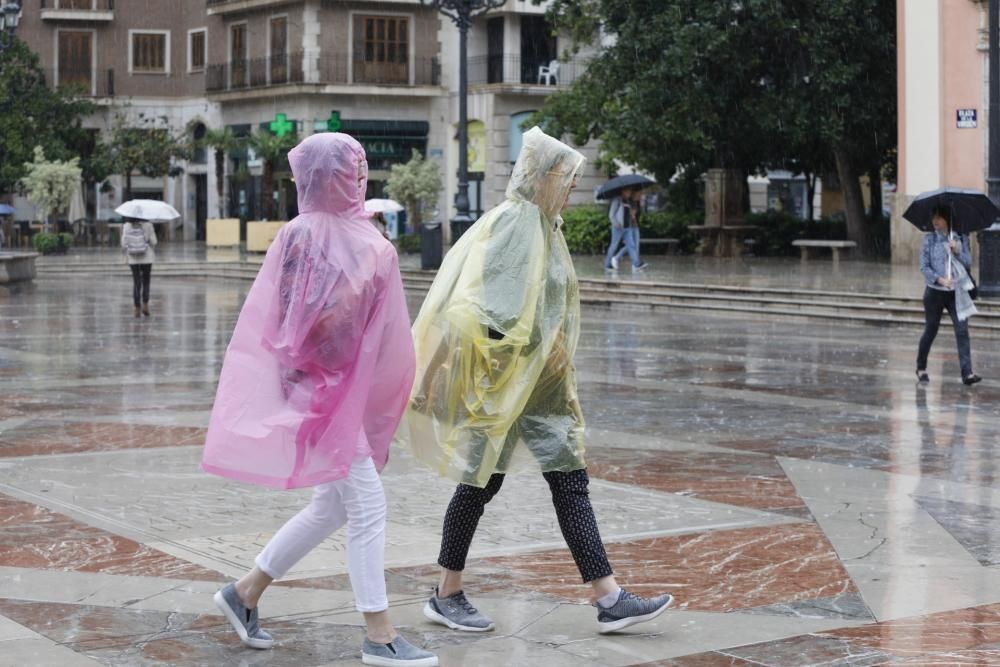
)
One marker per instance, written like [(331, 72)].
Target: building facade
[(384, 72), (942, 55)]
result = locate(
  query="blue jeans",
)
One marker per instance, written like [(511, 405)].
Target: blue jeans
[(631, 245), (616, 237)]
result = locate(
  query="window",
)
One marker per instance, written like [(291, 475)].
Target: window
[(196, 50), (279, 49), (381, 49), (75, 59), (76, 4), (150, 52), (238, 55)]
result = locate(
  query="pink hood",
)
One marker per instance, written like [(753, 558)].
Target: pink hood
[(319, 368)]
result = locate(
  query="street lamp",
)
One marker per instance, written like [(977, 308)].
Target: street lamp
[(461, 12), (10, 16)]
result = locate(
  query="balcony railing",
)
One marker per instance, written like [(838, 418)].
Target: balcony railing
[(80, 10), (523, 71), (274, 70), (333, 70)]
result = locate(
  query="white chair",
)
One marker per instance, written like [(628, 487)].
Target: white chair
[(550, 74)]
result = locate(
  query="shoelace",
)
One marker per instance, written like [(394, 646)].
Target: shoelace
[(466, 605)]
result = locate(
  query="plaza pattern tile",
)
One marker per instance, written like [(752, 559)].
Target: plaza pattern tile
[(717, 571), (35, 537), (744, 480), (41, 437)]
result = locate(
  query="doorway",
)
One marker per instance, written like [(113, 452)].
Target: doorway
[(200, 205)]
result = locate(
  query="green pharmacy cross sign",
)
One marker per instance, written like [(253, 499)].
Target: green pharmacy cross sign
[(333, 122), (281, 125)]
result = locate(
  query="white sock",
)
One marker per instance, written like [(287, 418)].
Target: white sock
[(610, 599)]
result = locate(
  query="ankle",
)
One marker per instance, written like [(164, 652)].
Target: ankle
[(246, 595), (382, 636)]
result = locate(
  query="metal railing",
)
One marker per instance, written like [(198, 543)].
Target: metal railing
[(274, 70), (333, 69), (523, 71), (80, 5)]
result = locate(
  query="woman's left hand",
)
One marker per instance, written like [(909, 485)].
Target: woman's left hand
[(954, 245)]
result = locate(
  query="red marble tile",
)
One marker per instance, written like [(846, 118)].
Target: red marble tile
[(35, 537), (714, 571), (50, 437), (745, 480)]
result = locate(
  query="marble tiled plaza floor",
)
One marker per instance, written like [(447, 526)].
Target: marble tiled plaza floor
[(805, 502)]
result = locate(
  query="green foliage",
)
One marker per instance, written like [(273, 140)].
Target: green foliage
[(33, 114), (50, 184), (147, 146), (409, 243), (586, 229), (778, 229), (416, 184), (48, 244), (672, 224), (272, 149)]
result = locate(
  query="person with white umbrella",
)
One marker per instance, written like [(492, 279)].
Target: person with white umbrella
[(138, 241)]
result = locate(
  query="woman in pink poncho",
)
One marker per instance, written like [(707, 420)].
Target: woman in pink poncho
[(314, 383)]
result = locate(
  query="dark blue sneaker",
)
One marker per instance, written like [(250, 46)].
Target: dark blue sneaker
[(629, 610)]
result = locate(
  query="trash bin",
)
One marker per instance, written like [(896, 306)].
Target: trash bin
[(430, 246), (989, 262), (459, 227)]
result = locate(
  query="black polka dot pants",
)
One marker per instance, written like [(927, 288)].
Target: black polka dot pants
[(571, 499)]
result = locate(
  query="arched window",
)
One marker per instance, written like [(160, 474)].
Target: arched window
[(516, 133)]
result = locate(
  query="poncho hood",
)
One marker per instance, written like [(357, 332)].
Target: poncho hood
[(331, 175), (544, 172)]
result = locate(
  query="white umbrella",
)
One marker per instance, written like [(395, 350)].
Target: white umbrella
[(77, 209), (383, 206), (148, 209)]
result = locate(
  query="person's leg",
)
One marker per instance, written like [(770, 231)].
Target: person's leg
[(933, 309), (961, 338), (136, 285), (460, 522), (616, 238), (147, 272)]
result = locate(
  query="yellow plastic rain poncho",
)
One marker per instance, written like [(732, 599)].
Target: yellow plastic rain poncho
[(496, 335)]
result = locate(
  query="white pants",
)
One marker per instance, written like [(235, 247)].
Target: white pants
[(358, 501)]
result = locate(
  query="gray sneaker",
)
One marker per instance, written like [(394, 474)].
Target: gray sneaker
[(397, 652), (629, 610), (457, 613), (243, 620)]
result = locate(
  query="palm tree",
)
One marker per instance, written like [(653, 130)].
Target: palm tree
[(270, 148), (224, 141)]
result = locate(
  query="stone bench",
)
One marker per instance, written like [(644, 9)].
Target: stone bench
[(806, 245), (725, 240), (17, 267)]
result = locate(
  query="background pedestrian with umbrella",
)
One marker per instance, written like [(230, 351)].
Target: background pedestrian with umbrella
[(624, 217), (949, 215), (378, 208), (138, 241)]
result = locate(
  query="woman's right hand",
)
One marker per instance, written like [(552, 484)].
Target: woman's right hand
[(946, 282)]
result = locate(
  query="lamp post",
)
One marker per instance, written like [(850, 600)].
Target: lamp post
[(10, 16), (989, 248), (461, 12)]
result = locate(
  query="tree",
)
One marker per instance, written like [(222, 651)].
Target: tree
[(270, 148), (148, 147), (50, 184), (738, 85), (224, 142), (415, 184), (33, 114)]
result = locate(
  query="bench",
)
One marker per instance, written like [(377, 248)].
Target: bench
[(725, 240), (669, 244), (806, 245), (17, 266)]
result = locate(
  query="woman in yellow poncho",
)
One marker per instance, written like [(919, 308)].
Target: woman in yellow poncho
[(495, 386)]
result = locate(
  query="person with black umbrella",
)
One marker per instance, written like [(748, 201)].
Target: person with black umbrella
[(946, 262)]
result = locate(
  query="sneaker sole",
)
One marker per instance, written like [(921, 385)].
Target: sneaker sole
[(615, 626), (444, 620), (379, 661), (227, 611)]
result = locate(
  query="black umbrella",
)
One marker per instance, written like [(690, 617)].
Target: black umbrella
[(619, 183), (971, 210)]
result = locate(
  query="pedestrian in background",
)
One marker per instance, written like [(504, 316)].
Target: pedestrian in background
[(315, 379), (946, 263), (138, 241)]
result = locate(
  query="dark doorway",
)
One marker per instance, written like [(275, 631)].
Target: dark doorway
[(200, 205), (538, 47), (494, 50)]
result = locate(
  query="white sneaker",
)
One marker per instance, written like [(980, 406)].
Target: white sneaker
[(614, 263)]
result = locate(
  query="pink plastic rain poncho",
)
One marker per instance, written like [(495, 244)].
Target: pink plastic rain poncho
[(496, 335), (321, 362)]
